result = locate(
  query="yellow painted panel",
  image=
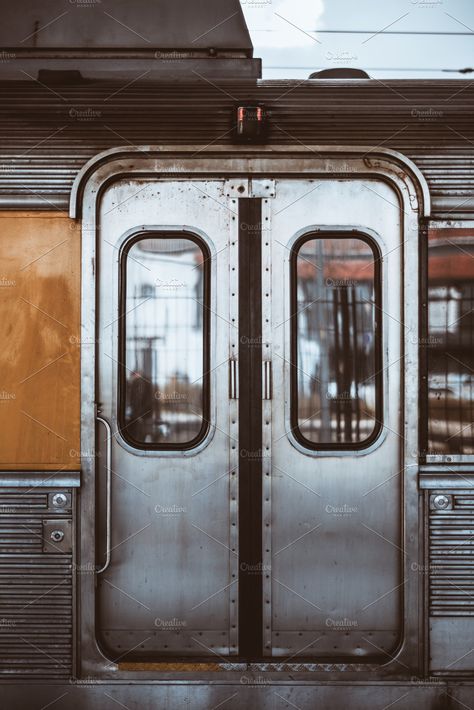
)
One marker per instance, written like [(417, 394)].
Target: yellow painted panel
[(39, 341)]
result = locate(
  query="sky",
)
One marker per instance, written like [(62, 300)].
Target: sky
[(289, 36)]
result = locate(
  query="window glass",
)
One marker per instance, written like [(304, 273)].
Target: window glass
[(336, 346), (164, 324), (451, 342)]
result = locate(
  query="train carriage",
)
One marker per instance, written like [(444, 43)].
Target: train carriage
[(236, 402)]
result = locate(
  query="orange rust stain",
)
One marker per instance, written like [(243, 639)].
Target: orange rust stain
[(40, 336), (174, 667)]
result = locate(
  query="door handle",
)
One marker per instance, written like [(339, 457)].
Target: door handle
[(233, 379), (266, 379), (108, 465)]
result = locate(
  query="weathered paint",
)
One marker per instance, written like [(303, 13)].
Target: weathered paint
[(40, 336)]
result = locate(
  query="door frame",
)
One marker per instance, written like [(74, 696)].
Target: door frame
[(244, 164)]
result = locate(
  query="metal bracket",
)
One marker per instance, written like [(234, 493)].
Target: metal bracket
[(262, 188), (237, 187), (59, 501), (57, 537), (253, 187)]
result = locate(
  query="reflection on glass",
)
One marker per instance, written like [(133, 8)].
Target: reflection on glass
[(335, 320), (163, 330), (451, 342)]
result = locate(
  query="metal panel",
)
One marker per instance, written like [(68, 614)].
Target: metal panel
[(251, 690), (331, 597), (171, 587), (451, 644), (48, 133), (36, 589), (450, 572), (144, 24)]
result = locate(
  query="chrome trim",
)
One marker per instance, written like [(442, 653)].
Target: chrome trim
[(266, 379), (267, 426), (381, 160), (108, 466), (233, 379), (40, 479)]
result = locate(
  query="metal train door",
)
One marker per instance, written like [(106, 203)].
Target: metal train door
[(250, 345), (332, 470), (168, 578)]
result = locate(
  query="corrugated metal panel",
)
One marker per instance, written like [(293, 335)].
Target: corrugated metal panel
[(35, 592), (12, 503), (48, 133), (451, 559)]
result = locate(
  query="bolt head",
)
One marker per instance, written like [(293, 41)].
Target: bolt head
[(57, 536)]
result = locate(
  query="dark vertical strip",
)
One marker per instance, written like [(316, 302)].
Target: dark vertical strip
[(250, 429), (424, 421)]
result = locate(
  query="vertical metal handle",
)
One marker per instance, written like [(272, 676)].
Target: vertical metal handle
[(267, 379), (233, 379), (108, 464)]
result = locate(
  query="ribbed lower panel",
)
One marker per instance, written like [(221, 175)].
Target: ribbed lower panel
[(35, 591), (451, 558)]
